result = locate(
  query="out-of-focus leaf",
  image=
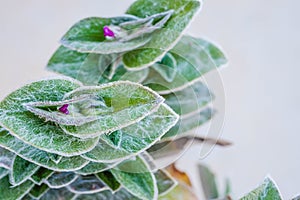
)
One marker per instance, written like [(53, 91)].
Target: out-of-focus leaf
[(165, 182), (181, 191), (266, 191), (194, 58), (189, 100), (208, 182), (179, 175), (189, 123), (58, 194)]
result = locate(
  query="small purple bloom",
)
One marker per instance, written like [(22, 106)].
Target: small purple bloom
[(64, 109), (107, 32)]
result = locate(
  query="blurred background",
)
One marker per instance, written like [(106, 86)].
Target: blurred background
[(261, 39)]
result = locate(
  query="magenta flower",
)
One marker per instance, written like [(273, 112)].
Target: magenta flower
[(108, 32), (64, 109)]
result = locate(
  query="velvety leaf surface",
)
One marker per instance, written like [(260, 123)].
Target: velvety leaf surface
[(141, 135), (189, 100), (87, 36), (6, 157), (35, 131), (87, 185), (79, 110), (165, 38), (194, 57), (266, 191), (38, 191), (21, 170), (12, 193), (129, 103), (208, 182), (94, 168), (133, 139), (190, 123), (37, 156), (165, 182), (166, 67), (133, 175), (61, 179), (105, 153), (121, 194), (92, 69), (109, 180)]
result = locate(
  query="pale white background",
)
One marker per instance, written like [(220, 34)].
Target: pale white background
[(261, 83)]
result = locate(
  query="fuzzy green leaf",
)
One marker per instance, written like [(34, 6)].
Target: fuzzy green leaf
[(22, 170), (94, 168), (164, 39), (105, 153), (133, 139), (141, 135), (6, 157), (35, 131), (189, 100), (166, 67), (109, 180), (87, 36), (87, 185), (37, 156), (13, 193), (208, 182), (266, 191), (194, 57), (165, 182), (134, 175), (38, 191), (129, 103), (61, 179), (190, 123), (91, 69)]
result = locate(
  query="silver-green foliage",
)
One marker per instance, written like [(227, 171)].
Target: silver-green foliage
[(121, 99)]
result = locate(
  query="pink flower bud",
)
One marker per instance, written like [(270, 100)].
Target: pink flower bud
[(64, 109), (108, 32)]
